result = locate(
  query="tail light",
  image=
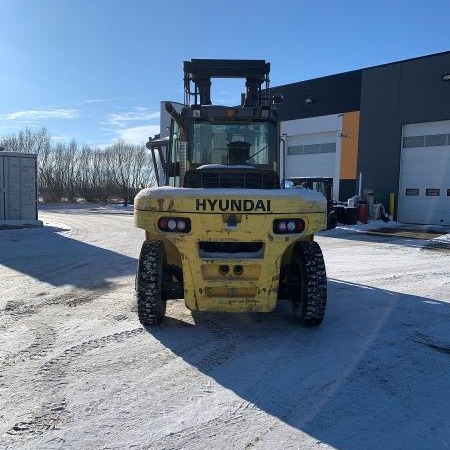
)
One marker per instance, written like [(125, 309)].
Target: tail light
[(174, 224), (288, 226)]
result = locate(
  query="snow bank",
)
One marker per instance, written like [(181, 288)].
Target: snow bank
[(374, 225)]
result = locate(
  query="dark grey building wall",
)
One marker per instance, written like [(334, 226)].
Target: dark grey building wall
[(347, 189), (406, 92), (379, 135), (331, 95), (424, 97)]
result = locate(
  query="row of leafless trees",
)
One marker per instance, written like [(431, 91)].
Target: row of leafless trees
[(67, 171)]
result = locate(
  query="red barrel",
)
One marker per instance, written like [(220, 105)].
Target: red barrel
[(362, 212)]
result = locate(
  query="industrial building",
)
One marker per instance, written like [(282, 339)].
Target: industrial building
[(384, 129)]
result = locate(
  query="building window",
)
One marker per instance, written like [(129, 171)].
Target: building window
[(412, 191), (430, 140), (413, 141), (433, 192), (435, 140), (328, 148), (312, 149), (295, 150)]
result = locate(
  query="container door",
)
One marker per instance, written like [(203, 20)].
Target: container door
[(12, 183), (2, 190), (28, 188)]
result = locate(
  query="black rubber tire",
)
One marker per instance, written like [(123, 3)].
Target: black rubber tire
[(150, 304), (310, 298)]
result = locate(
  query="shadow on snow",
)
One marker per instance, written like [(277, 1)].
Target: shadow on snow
[(376, 374), (53, 258)]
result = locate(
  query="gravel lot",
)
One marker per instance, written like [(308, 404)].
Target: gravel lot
[(77, 371)]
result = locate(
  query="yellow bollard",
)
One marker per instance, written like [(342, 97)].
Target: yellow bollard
[(391, 203)]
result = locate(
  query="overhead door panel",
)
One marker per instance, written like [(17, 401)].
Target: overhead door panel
[(311, 155), (424, 189)]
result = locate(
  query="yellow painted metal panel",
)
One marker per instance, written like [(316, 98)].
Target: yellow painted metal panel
[(254, 285), (349, 145)]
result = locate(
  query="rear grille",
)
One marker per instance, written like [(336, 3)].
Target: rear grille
[(231, 250), (237, 179)]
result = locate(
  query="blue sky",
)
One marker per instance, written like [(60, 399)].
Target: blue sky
[(96, 70)]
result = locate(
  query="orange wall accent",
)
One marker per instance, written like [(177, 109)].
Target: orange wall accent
[(349, 145)]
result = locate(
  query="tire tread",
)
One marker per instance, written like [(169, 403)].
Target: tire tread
[(309, 304), (150, 304)]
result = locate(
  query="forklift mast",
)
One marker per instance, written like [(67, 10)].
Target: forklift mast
[(200, 71)]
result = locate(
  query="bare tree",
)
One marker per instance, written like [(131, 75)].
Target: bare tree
[(66, 171)]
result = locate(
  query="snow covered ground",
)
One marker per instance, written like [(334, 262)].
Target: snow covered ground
[(77, 371)]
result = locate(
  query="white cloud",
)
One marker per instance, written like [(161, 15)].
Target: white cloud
[(40, 114), (138, 114), (138, 135), (94, 100), (89, 101)]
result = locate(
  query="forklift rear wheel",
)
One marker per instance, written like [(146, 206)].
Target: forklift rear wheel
[(150, 304), (310, 294)]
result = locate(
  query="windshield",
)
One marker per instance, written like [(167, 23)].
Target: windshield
[(211, 142)]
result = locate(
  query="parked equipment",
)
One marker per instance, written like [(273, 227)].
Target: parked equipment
[(323, 185), (220, 231)]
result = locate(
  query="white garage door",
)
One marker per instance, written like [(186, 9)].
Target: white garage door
[(424, 190), (310, 155)]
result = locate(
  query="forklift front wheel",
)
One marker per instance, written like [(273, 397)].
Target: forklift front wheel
[(309, 297), (150, 304)]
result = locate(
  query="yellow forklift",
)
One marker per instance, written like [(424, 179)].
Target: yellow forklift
[(221, 231)]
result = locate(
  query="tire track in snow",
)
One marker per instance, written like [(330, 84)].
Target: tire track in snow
[(186, 384), (44, 338), (47, 417), (234, 416), (72, 298), (55, 411), (57, 365), (225, 346), (414, 277)]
